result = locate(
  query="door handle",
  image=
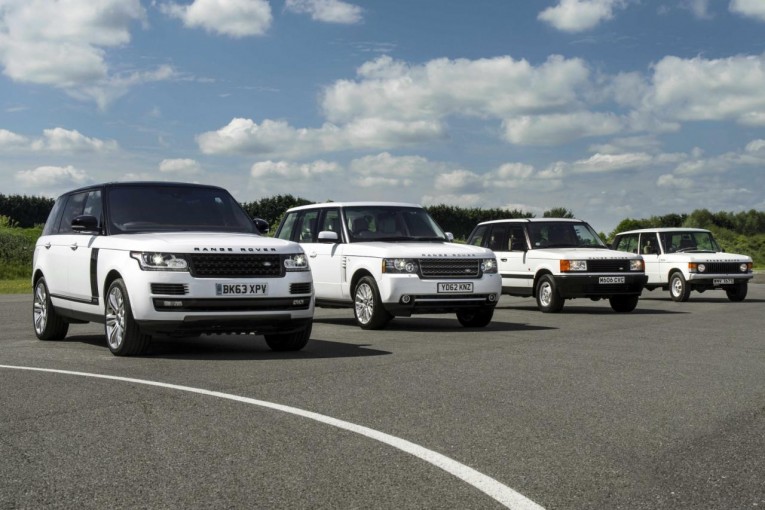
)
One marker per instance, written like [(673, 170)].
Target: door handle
[(503, 260), (47, 246), (312, 254), (74, 246)]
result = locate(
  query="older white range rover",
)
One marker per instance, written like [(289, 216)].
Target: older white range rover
[(557, 259), (391, 259), (685, 259), (150, 258)]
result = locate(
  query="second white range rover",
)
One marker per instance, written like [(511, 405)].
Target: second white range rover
[(391, 259)]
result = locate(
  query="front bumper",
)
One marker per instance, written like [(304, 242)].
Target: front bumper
[(718, 281), (404, 295), (589, 285)]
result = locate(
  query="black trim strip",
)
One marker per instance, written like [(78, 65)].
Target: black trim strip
[(520, 276), (94, 276), (87, 301)]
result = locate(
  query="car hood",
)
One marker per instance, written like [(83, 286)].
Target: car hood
[(417, 250), (202, 242), (581, 253), (708, 257)]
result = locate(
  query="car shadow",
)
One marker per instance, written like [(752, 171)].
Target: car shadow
[(600, 310), (237, 348), (436, 325)]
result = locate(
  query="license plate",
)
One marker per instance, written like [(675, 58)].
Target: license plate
[(611, 279), (455, 288), (722, 281), (241, 289)]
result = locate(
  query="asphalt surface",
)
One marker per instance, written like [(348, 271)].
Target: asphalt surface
[(662, 408)]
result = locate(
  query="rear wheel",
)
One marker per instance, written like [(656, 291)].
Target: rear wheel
[(475, 318), (623, 304), (738, 292), (548, 299), (48, 324), (122, 332), (367, 305), (294, 341), (679, 289)]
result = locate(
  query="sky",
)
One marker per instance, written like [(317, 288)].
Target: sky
[(612, 109)]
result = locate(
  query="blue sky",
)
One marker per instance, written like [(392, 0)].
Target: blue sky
[(610, 108)]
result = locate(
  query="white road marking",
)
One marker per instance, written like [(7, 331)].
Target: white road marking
[(494, 489)]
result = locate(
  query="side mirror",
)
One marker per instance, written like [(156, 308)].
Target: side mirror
[(449, 236), (261, 225), (85, 224), (328, 236)]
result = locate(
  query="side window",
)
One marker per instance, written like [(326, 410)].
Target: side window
[(331, 221), (73, 208), (498, 238), (627, 243), (307, 228), (93, 205), (478, 236), (54, 218), (287, 229), (516, 239), (649, 244)]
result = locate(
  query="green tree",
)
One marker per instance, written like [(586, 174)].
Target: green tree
[(558, 212)]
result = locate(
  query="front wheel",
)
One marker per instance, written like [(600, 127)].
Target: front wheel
[(679, 289), (122, 332), (548, 299), (282, 342), (48, 324), (623, 304), (475, 318), (737, 293), (367, 305)]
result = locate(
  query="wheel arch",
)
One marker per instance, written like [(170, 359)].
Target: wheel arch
[(358, 275), (537, 276), (110, 277)]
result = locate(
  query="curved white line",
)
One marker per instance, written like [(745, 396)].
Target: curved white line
[(496, 490)]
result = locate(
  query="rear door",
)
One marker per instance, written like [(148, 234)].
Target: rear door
[(508, 241)]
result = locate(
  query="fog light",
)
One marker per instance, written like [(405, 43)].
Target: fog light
[(492, 297), (174, 304), (406, 299)]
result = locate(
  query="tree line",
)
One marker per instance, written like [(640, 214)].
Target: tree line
[(27, 211)]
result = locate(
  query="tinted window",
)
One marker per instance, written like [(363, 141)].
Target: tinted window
[(649, 244), (54, 218), (331, 221), (75, 204), (175, 208)]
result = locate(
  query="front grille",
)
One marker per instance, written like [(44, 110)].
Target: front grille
[(608, 266), (722, 267), (169, 289), (450, 268), (300, 288), (209, 265)]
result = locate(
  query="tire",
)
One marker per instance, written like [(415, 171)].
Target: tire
[(282, 342), (738, 292), (623, 304), (548, 299), (47, 323), (123, 335), (475, 318), (679, 289), (367, 306)]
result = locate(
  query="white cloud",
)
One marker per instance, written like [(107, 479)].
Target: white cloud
[(602, 163), (56, 140), (180, 166), (328, 11), (580, 15), (459, 180), (52, 177), (699, 8), (293, 171), (234, 18), (560, 128), (670, 181), (751, 8)]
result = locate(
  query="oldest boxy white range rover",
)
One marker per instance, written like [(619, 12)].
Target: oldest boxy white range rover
[(166, 258)]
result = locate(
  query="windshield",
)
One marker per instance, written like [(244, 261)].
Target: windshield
[(391, 223), (563, 235), (161, 208), (679, 242)]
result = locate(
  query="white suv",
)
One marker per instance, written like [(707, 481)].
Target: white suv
[(389, 259), (685, 259), (166, 258), (557, 259)]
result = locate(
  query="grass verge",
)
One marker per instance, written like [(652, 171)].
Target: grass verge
[(16, 286)]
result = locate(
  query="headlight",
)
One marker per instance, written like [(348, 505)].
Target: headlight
[(745, 267), (637, 265), (296, 262), (399, 266), (154, 261), (489, 265), (701, 268), (573, 265)]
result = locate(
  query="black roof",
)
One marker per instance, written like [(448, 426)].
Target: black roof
[(130, 184)]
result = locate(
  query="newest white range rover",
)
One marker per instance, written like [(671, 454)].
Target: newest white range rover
[(685, 259), (150, 258), (391, 259)]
